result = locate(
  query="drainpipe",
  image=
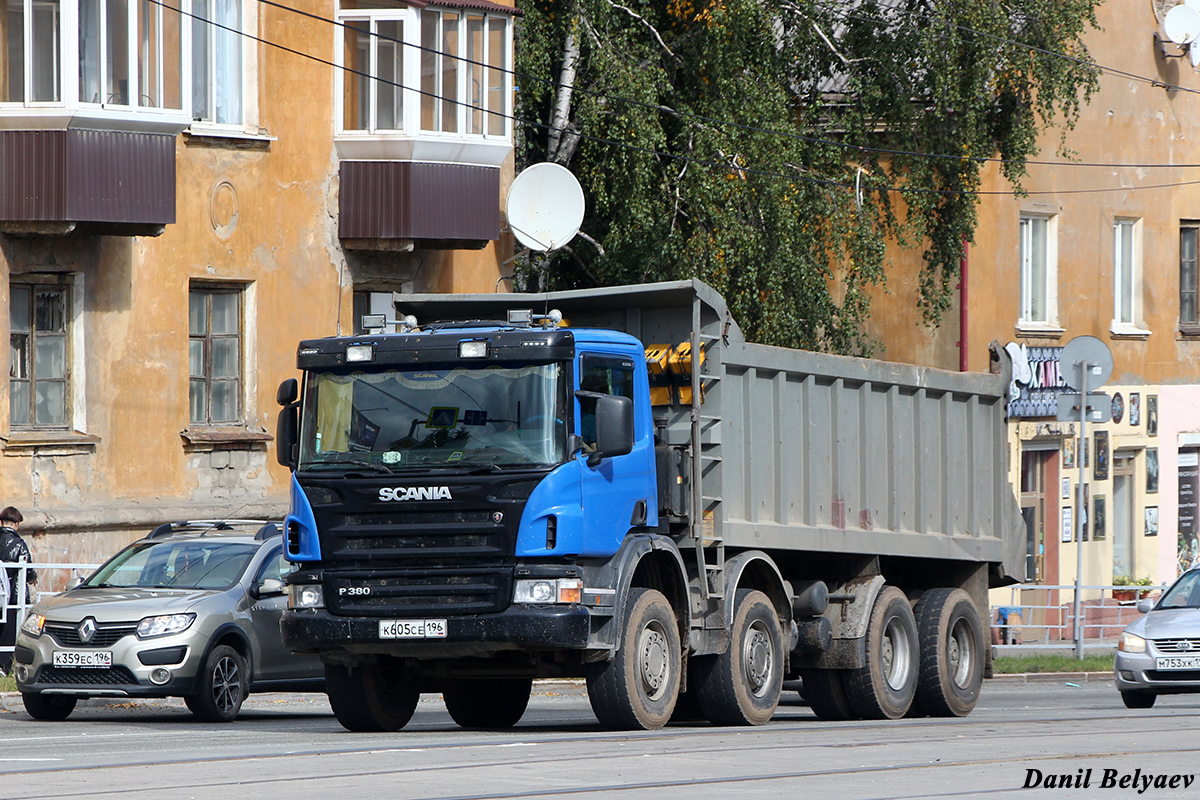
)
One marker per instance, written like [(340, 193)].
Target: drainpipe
[(962, 307)]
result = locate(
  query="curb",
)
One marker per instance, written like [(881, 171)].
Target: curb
[(1054, 677)]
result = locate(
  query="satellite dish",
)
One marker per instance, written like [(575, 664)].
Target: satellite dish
[(1182, 24), (545, 207), (1086, 349)]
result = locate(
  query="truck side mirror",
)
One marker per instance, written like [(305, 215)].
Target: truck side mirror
[(614, 427), (288, 392), (287, 427)]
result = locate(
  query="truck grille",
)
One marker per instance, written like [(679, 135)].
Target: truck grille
[(107, 633), (408, 538), (406, 593)]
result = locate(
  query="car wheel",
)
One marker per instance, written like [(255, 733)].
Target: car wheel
[(221, 686), (48, 707), (1138, 699)]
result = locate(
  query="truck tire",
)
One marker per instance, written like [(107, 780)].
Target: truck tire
[(884, 687), (951, 654), (638, 687), (825, 692), (487, 702), (371, 698), (742, 685), (48, 707), (220, 687)]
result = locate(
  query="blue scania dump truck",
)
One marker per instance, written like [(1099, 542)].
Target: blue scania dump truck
[(614, 485)]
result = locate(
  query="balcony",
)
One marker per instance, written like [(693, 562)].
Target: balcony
[(91, 100)]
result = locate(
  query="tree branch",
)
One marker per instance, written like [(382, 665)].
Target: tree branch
[(642, 20)]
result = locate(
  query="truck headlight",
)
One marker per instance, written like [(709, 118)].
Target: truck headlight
[(1131, 644), (306, 595), (544, 591), (33, 624), (164, 625)]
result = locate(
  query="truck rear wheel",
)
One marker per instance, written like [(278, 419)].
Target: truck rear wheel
[(639, 686), (825, 692), (951, 654), (371, 698), (742, 685), (884, 687), (487, 702)]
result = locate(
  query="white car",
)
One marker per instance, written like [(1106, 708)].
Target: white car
[(1159, 653)]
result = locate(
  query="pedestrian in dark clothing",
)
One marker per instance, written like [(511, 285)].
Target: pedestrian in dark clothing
[(13, 550)]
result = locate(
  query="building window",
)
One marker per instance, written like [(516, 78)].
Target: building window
[(116, 72), (1126, 273), (39, 375), (1187, 276), (32, 56), (436, 72), (1038, 271), (217, 61), (215, 355)]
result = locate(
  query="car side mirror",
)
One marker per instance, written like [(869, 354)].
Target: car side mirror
[(75, 583), (268, 587), (1145, 606)]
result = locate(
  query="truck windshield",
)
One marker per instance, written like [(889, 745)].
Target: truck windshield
[(487, 415)]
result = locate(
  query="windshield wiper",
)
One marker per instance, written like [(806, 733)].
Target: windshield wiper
[(353, 462)]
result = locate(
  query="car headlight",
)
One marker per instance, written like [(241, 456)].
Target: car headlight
[(164, 625), (548, 590), (1131, 644), (33, 624), (306, 595)]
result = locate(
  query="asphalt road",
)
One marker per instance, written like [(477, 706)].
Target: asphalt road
[(286, 746)]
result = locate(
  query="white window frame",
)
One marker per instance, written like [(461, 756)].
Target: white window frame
[(410, 142), (246, 122), (73, 110), (1127, 277), (1049, 287)]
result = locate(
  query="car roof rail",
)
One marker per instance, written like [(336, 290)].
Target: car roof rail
[(205, 525), (269, 530)]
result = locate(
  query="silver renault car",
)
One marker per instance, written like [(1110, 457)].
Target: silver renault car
[(190, 611), (1159, 652)]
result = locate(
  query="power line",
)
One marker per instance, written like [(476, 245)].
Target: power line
[(797, 177)]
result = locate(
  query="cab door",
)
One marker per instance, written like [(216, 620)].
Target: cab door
[(620, 492)]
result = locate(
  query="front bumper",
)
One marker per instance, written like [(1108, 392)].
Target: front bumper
[(518, 627), (33, 667), (1139, 672)]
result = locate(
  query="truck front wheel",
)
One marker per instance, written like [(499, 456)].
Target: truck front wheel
[(951, 660), (639, 686), (371, 698), (742, 685), (884, 687), (487, 702)]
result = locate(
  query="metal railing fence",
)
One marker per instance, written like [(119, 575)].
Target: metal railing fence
[(1042, 616), (49, 574)]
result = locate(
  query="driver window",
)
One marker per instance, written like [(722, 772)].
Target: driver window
[(601, 376), (276, 566)]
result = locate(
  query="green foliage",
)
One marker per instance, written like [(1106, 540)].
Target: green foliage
[(721, 139), (1052, 662)]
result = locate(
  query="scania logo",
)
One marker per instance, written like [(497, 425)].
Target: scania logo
[(388, 494), (86, 630)]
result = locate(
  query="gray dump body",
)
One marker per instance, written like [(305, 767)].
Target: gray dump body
[(802, 451)]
